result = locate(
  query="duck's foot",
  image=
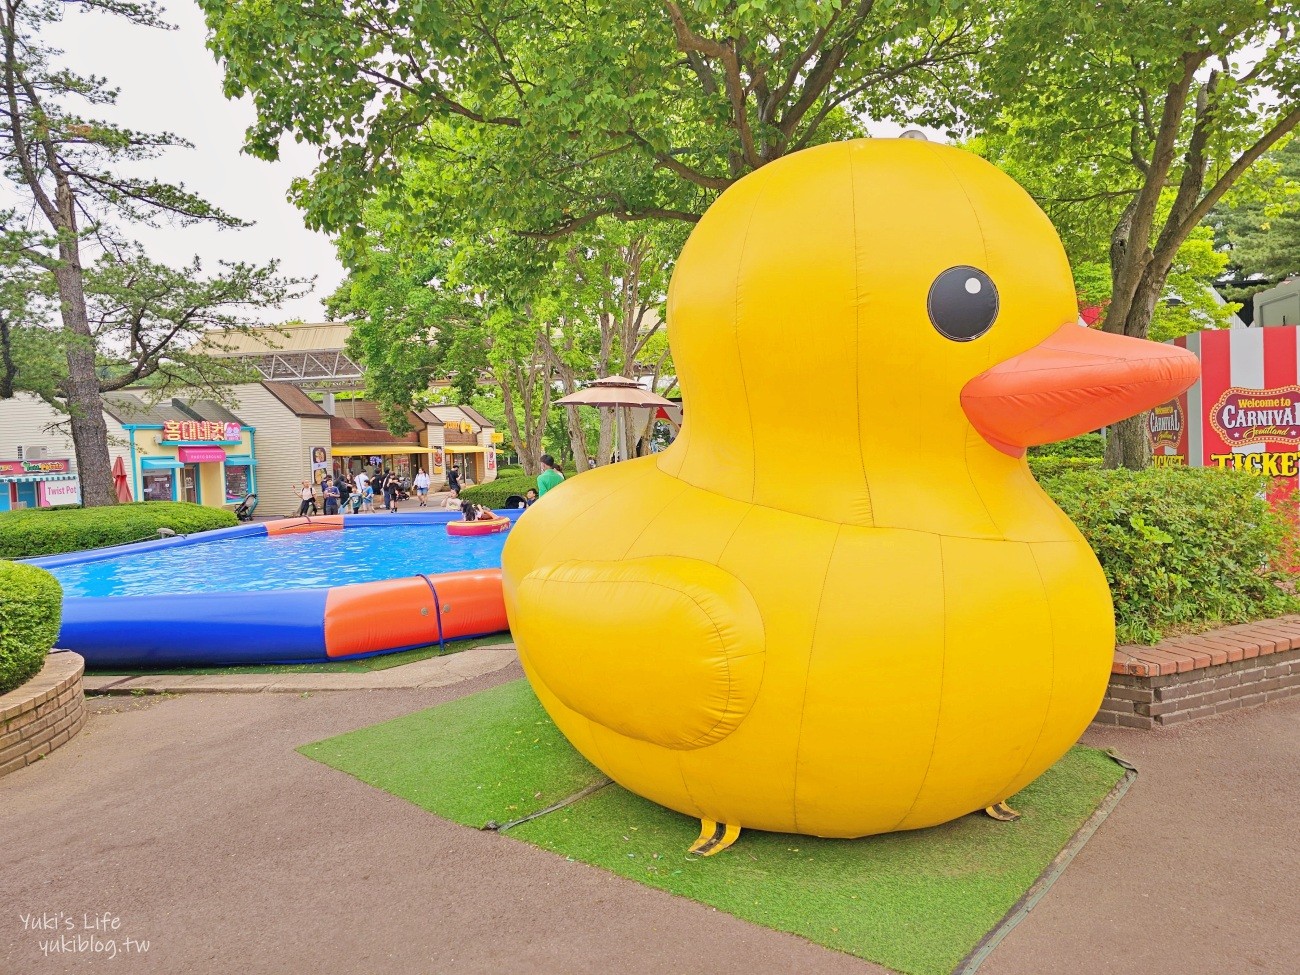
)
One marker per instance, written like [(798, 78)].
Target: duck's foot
[(1002, 813), (714, 837)]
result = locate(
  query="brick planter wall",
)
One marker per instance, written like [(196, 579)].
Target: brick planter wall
[(43, 714), (1198, 676)]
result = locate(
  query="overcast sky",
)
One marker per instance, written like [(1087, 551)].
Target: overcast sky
[(170, 81)]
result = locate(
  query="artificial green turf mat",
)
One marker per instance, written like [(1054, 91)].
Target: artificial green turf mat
[(489, 757), (365, 665), (917, 902)]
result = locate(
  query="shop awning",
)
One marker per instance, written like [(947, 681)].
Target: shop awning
[(160, 464), (464, 449), (379, 450), (29, 478), (201, 455), (240, 460)]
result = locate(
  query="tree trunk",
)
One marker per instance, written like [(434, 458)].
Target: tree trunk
[(608, 434), (1137, 281), (8, 368), (577, 437), (85, 407), (528, 451)]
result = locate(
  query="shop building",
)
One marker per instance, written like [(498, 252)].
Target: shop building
[(313, 359), (185, 450), (360, 440), (293, 440), (38, 467), (468, 440), (37, 482), (439, 436), (174, 450)]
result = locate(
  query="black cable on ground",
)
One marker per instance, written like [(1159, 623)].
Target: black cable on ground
[(566, 801)]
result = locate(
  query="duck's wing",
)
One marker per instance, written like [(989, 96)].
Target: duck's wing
[(662, 649)]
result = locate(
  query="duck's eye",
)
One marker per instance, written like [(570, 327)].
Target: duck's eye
[(963, 303)]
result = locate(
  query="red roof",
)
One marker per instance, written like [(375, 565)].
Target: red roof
[(348, 431)]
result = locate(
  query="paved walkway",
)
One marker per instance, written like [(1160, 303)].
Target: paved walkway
[(431, 672), (193, 823)]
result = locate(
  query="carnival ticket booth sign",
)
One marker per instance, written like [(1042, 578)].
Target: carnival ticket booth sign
[(37, 484), (1243, 413)]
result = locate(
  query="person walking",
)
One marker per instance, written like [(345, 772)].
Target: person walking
[(307, 497), (422, 488), (390, 485), (550, 476), (453, 481)]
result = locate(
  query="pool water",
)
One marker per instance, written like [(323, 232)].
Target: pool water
[(261, 563)]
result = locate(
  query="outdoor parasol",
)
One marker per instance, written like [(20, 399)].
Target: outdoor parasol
[(120, 485), (616, 391)]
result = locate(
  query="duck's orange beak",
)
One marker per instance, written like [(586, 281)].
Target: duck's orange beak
[(1075, 380)]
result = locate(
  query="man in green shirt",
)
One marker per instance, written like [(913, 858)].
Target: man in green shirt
[(550, 475)]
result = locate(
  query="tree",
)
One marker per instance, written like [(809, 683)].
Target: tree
[(619, 283), (1147, 113), (579, 112), (1258, 226), (27, 361), (71, 167), (168, 326), (149, 323)]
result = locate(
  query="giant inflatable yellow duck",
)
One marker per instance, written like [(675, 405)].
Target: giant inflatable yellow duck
[(839, 604)]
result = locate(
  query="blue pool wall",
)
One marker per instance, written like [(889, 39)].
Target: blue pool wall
[(231, 628), (244, 531)]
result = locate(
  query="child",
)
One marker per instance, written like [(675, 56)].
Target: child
[(368, 498)]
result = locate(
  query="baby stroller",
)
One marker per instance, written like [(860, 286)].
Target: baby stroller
[(244, 512)]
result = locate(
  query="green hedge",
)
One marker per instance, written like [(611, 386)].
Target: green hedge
[(29, 532), (511, 470), (1086, 445), (1183, 549), (494, 493), (1051, 465), (30, 604)]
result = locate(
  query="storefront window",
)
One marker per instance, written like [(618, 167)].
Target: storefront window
[(158, 486), (237, 481)]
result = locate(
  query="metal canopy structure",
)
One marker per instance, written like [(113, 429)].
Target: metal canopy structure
[(309, 356), (321, 370)]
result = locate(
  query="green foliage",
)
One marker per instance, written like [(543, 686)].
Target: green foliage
[(509, 471), (1050, 465), (1183, 549), (554, 114), (1084, 445), (30, 532), (1259, 227), (494, 493), (1189, 305), (31, 602), (169, 325), (29, 360), (1128, 121)]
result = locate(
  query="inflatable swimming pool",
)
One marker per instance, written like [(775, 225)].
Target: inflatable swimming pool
[(301, 590)]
